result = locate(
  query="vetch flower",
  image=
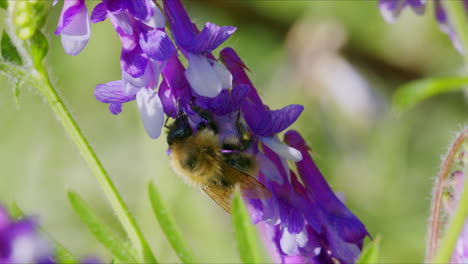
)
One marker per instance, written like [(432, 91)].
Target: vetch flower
[(206, 76), (73, 26), (391, 9), (303, 219), (145, 50), (20, 241)]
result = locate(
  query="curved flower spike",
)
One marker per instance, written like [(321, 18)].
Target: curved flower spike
[(74, 26), (348, 226)]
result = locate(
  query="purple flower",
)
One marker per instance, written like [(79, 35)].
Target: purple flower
[(391, 9), (73, 26), (145, 50), (206, 76), (20, 241), (304, 219)]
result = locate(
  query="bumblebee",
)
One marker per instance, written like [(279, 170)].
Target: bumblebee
[(215, 167)]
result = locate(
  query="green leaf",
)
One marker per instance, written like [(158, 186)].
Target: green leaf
[(38, 48), (166, 222), (247, 242), (413, 92), (8, 50), (118, 248), (370, 254), (3, 4), (61, 253)]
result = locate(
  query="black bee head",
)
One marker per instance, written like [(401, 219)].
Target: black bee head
[(179, 130)]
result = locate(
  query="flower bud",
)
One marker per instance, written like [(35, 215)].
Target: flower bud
[(28, 16)]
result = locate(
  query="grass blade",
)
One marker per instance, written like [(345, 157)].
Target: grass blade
[(168, 226), (115, 245), (370, 254), (416, 91), (247, 242)]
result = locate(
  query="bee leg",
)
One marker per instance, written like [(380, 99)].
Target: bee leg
[(206, 115), (167, 119)]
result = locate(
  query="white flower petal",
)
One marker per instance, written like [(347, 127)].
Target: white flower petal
[(281, 149), (75, 35), (151, 111), (157, 20), (202, 76), (223, 74), (140, 81), (268, 168), (290, 243), (29, 248), (124, 22)]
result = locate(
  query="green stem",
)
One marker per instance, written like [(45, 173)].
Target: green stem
[(457, 15), (445, 251), (40, 80)]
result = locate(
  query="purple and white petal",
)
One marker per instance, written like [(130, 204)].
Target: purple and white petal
[(123, 22), (157, 20), (133, 62), (156, 44), (284, 117), (223, 74), (209, 38), (99, 13), (140, 9), (281, 149), (167, 99), (112, 93), (391, 9), (76, 31), (151, 111), (202, 77), (70, 9), (115, 109), (291, 243)]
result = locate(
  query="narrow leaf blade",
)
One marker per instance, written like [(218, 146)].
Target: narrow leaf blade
[(9, 51), (103, 234), (168, 226), (371, 252), (247, 242), (416, 91)]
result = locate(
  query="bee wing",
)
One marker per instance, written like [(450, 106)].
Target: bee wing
[(221, 196), (250, 188)]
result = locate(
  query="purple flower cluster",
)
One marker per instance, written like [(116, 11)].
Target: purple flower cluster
[(391, 9), (304, 219), (146, 49), (20, 241)]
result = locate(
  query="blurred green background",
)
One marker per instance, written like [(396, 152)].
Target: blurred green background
[(337, 58)]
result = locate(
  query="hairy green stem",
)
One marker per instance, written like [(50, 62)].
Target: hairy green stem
[(445, 251), (40, 80)]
